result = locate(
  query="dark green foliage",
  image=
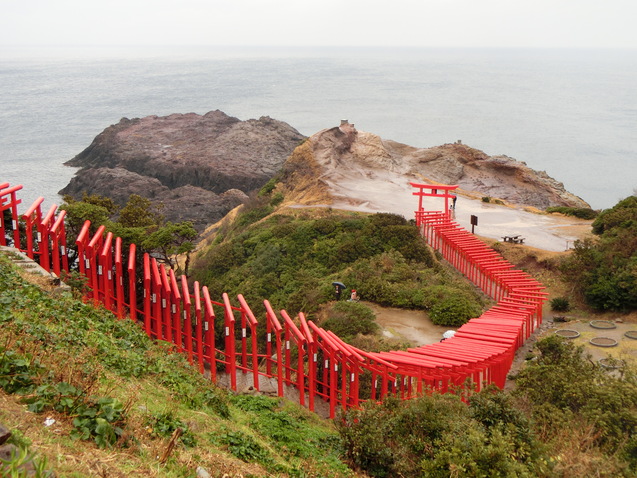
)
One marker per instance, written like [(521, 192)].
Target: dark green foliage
[(581, 212), (95, 418), (348, 319), (255, 209), (254, 403), (214, 399), (433, 435), (560, 304), (139, 222), (253, 215), (499, 434), (454, 310), (77, 212), (621, 216), (292, 261), (99, 420), (288, 429), (567, 385), (172, 240), (18, 374), (277, 198), (165, 424), (493, 408), (269, 187), (138, 212), (604, 271), (222, 259), (245, 447)]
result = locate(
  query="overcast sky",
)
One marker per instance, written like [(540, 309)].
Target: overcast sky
[(428, 23)]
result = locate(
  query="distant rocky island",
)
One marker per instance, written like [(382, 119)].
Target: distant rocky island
[(199, 167)]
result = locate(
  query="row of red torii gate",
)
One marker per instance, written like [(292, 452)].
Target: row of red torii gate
[(228, 344)]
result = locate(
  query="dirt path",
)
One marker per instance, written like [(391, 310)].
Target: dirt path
[(412, 326)]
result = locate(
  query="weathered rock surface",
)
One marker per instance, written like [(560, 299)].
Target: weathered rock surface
[(499, 177), (201, 167), (340, 155), (198, 167)]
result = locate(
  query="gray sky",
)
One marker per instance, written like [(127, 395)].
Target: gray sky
[(430, 23)]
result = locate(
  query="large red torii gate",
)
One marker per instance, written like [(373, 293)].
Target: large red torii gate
[(435, 190)]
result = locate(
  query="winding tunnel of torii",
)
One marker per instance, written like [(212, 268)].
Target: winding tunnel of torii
[(176, 311)]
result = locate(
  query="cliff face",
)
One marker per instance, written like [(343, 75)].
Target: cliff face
[(344, 154), (494, 176), (198, 167)]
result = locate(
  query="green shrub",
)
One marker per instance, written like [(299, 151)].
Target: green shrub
[(581, 212), (254, 403), (565, 386), (245, 447), (253, 215), (621, 216), (99, 419), (348, 319), (603, 271), (164, 425), (18, 373), (560, 304), (269, 186), (479, 454), (454, 311), (431, 435)]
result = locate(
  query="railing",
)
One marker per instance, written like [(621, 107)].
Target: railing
[(222, 340)]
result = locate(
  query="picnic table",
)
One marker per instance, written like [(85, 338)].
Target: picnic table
[(514, 238)]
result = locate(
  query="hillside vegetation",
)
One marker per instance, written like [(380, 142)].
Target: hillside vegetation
[(292, 256), (118, 398), (604, 271), (568, 417), (119, 401)]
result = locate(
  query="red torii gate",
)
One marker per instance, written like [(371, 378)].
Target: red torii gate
[(326, 368), (435, 190)]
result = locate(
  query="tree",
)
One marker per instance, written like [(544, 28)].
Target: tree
[(171, 240), (96, 209), (138, 212), (138, 222), (604, 271)]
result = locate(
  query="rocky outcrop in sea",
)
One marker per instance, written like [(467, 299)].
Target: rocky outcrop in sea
[(198, 167), (342, 157)]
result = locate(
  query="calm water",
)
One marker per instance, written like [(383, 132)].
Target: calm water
[(572, 113)]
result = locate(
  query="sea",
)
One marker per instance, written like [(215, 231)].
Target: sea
[(571, 113)]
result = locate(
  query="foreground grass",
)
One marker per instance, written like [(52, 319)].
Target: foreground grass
[(120, 401)]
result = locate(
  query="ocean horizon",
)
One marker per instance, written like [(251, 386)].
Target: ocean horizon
[(571, 113)]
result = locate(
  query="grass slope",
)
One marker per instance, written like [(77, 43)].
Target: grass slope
[(118, 398)]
